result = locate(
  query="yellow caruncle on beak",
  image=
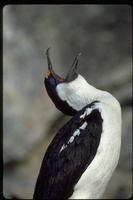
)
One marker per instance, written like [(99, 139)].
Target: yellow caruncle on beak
[(47, 73)]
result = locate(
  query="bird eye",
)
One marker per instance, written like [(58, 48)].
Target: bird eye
[(52, 81)]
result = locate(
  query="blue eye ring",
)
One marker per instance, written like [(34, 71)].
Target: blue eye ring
[(52, 81)]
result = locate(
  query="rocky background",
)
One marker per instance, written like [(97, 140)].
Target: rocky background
[(103, 34)]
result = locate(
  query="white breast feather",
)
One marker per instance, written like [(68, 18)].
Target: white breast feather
[(94, 180)]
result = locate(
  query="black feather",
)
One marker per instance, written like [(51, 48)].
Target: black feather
[(61, 170)]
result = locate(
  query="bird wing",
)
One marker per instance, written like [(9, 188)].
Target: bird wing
[(69, 154)]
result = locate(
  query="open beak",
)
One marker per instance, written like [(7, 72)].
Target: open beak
[(50, 68), (70, 74)]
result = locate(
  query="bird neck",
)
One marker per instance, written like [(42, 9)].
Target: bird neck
[(80, 93)]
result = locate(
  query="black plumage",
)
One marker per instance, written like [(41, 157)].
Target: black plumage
[(52, 80), (62, 167), (51, 90)]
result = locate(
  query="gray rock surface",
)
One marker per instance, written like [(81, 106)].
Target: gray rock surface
[(103, 34)]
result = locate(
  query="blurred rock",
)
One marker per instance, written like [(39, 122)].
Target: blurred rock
[(103, 34), (125, 162)]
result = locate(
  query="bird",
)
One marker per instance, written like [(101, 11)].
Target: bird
[(83, 155)]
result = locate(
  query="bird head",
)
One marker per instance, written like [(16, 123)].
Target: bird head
[(52, 81)]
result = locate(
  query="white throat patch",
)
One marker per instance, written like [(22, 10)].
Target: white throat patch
[(76, 93)]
